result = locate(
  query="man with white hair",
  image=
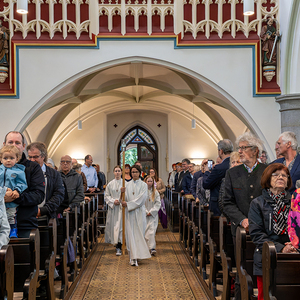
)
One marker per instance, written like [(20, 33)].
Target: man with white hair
[(287, 147), (242, 185)]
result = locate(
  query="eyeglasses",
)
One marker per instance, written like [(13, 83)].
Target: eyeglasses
[(276, 175), (243, 148), (34, 157), (65, 161)]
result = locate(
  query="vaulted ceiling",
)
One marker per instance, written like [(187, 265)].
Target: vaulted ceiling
[(137, 86)]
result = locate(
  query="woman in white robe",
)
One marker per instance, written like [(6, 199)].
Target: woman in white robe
[(113, 228), (135, 225), (152, 207)]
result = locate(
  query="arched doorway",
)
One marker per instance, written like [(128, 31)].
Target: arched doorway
[(140, 145)]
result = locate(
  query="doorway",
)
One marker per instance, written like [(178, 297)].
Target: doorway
[(141, 146)]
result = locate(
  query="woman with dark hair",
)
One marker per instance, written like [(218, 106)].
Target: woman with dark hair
[(268, 216), (127, 173), (160, 187), (136, 194)]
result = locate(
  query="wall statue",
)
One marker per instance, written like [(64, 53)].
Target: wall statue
[(269, 38), (4, 52)]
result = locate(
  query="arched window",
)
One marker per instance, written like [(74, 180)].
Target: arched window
[(140, 145)]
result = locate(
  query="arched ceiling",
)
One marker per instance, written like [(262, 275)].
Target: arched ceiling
[(136, 86)]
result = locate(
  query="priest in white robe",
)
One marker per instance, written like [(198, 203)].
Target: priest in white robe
[(136, 195), (112, 196), (152, 205)]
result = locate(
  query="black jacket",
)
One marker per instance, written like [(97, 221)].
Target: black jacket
[(241, 188), (178, 187), (74, 190), (261, 227), (55, 193), (212, 180), (34, 195)]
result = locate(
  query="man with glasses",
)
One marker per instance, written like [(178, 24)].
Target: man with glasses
[(90, 174), (187, 180), (34, 195), (73, 184), (185, 171), (242, 185), (54, 187)]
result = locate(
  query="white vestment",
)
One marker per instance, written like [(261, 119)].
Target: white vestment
[(113, 228), (136, 194), (152, 207)]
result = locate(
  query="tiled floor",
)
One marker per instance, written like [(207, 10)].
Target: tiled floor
[(168, 275)]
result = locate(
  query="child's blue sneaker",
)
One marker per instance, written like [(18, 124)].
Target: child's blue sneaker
[(13, 233)]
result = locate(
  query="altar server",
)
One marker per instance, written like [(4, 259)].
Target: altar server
[(113, 229), (136, 194), (152, 208)]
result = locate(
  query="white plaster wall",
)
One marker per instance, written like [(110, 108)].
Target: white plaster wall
[(90, 140), (42, 71)]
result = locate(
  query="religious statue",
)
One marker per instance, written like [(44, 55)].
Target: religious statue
[(269, 38), (4, 51), (4, 42)]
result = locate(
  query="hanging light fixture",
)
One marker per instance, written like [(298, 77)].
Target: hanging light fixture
[(22, 7), (79, 124), (193, 120), (248, 7)]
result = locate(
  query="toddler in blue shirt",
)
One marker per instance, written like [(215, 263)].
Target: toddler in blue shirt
[(12, 176)]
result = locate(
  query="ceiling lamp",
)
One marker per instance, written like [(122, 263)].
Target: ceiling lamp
[(79, 123), (193, 120), (22, 7), (248, 7)]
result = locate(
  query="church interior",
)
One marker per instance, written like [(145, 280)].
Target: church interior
[(171, 78)]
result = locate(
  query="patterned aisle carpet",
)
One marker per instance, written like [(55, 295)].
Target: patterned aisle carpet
[(168, 275)]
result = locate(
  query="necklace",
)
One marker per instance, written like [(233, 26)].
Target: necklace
[(117, 185)]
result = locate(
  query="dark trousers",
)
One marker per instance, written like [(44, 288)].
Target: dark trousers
[(237, 287)]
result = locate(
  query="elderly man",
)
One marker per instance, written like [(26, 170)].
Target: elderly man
[(90, 174), (185, 171), (34, 195), (242, 185), (287, 147), (73, 184), (264, 157), (54, 187), (212, 179)]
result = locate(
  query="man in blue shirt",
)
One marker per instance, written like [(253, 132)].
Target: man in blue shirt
[(90, 174)]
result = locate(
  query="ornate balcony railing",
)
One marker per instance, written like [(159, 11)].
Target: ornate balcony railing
[(80, 19)]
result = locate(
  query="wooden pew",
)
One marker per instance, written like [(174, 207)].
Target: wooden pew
[(48, 241), (203, 211), (72, 229), (26, 264), (62, 252), (195, 246), (281, 271), (213, 248), (6, 272), (227, 256), (174, 224), (244, 262)]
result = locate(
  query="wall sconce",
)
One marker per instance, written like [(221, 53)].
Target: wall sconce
[(22, 7), (248, 6)]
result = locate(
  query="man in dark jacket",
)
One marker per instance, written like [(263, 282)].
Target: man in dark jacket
[(242, 185), (73, 183), (212, 179), (185, 171), (54, 187), (34, 195)]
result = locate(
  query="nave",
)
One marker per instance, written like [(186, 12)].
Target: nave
[(168, 275)]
